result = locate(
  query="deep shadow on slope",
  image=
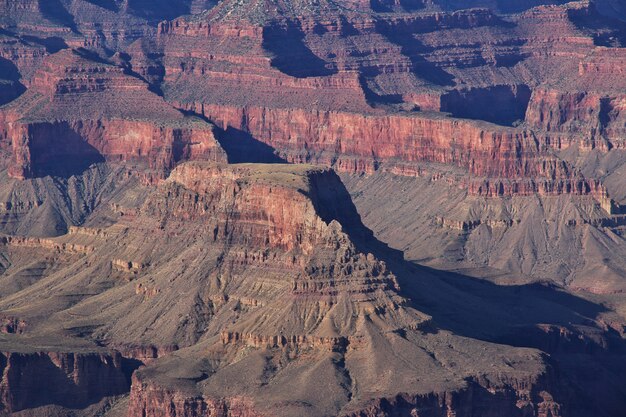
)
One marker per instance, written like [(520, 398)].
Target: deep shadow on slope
[(590, 359), (291, 54), (69, 156), (105, 4), (54, 386), (414, 51), (8, 70), (55, 11), (53, 44), (242, 147), (384, 6), (500, 104), (606, 29), (156, 10), (10, 86)]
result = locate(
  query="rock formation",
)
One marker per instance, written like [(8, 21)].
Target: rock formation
[(312, 208), (79, 109), (320, 304)]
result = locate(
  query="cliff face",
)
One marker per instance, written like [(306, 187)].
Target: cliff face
[(595, 120), (40, 148), (499, 161), (153, 400), (290, 219), (84, 111), (352, 85), (72, 380)]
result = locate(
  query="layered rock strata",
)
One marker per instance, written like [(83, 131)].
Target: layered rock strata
[(280, 278), (85, 111), (353, 84)]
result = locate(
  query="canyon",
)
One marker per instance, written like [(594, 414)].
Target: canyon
[(353, 208), (291, 278)]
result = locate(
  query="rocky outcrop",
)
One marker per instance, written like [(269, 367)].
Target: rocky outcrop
[(145, 354), (316, 63), (12, 325), (277, 207), (48, 244), (40, 147), (268, 206), (79, 111), (591, 120)]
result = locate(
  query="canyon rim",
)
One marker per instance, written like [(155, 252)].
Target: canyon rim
[(312, 208)]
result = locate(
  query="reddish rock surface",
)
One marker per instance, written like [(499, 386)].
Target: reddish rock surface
[(82, 110), (156, 401), (499, 161), (350, 105), (487, 135)]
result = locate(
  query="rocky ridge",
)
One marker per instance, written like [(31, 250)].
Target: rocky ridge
[(456, 132), (89, 111), (319, 300)]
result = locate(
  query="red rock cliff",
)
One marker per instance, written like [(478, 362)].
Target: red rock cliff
[(78, 109), (37, 146), (500, 161)]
